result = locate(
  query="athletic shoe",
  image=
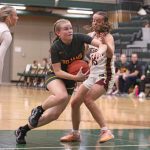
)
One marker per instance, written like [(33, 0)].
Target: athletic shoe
[(124, 94), (142, 95), (115, 92), (71, 137), (105, 136), (35, 116), (20, 136), (109, 92)]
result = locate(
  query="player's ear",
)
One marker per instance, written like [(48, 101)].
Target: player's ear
[(8, 19), (57, 33)]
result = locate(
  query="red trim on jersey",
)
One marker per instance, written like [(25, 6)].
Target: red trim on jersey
[(105, 82)]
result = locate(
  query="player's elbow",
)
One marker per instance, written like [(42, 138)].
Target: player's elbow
[(110, 51), (57, 73)]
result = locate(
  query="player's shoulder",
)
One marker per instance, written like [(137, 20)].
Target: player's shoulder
[(109, 35), (3, 27), (91, 34), (78, 34), (55, 44), (6, 36)]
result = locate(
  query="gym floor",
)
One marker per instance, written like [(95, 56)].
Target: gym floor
[(127, 117)]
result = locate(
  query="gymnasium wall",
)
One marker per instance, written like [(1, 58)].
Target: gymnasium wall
[(32, 42), (33, 34)]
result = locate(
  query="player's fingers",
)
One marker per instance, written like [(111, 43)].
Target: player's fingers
[(80, 71), (87, 73)]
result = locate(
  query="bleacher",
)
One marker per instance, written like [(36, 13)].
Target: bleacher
[(126, 30), (129, 32), (135, 18), (129, 38), (124, 36), (135, 23)]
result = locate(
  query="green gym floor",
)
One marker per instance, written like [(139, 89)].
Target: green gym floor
[(125, 139)]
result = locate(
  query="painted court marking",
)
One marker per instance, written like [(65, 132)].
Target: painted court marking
[(146, 145)]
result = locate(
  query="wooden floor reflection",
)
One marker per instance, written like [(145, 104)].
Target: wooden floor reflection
[(16, 104)]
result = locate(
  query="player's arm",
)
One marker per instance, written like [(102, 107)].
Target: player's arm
[(102, 47), (95, 42), (135, 73), (86, 54), (86, 51), (6, 41), (56, 64), (109, 41), (62, 74)]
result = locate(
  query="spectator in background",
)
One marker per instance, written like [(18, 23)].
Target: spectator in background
[(147, 24), (145, 78), (116, 63), (122, 69), (146, 31), (130, 78), (33, 73), (43, 68)]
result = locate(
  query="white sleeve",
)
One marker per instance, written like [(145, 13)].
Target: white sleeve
[(5, 39)]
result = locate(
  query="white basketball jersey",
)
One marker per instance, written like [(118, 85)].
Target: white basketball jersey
[(101, 66), (4, 29)]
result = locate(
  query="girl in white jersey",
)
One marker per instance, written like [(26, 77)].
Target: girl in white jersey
[(100, 80), (8, 18)]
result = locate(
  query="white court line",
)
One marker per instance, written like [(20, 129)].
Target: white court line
[(146, 145)]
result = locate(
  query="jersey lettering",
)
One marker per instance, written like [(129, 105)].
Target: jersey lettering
[(68, 61)]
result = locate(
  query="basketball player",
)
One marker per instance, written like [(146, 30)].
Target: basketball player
[(100, 80), (8, 18), (65, 49)]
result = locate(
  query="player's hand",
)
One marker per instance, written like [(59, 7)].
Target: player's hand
[(80, 76)]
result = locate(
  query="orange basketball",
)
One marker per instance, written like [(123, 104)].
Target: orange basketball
[(75, 66)]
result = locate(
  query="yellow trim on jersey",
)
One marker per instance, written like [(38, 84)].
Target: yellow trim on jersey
[(49, 79)]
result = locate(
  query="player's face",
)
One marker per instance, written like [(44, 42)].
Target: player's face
[(66, 32), (13, 18), (97, 22)]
